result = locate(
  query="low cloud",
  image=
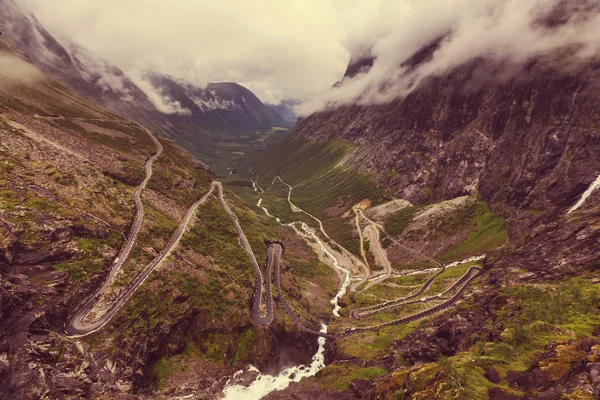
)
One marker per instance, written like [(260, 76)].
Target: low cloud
[(281, 49), (162, 102), (291, 49), (512, 31), (16, 71)]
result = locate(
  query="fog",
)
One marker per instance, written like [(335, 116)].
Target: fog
[(508, 31), (278, 49), (14, 71), (290, 49)]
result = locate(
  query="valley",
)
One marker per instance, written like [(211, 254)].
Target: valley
[(425, 228)]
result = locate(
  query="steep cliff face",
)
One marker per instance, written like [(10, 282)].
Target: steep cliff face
[(527, 142), (529, 145)]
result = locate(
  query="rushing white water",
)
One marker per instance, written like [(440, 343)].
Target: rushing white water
[(265, 384), (466, 260), (431, 270), (595, 185), (344, 286), (259, 204)]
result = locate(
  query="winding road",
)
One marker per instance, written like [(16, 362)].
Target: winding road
[(274, 251), (258, 316), (75, 325), (262, 309)]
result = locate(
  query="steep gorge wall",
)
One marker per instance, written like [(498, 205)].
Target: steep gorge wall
[(529, 145)]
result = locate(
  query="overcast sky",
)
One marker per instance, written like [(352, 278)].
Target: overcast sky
[(298, 48), (277, 48)]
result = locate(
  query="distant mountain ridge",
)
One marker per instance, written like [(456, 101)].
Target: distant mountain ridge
[(286, 109), (224, 107), (201, 114)]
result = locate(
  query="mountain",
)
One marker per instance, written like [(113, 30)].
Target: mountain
[(521, 154), (285, 108), (441, 245), (220, 107), (89, 197), (195, 123)]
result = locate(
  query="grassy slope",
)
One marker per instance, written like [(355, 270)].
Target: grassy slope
[(321, 186), (41, 186)]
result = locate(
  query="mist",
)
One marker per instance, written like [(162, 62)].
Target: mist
[(278, 49), (299, 50), (15, 71), (510, 31)]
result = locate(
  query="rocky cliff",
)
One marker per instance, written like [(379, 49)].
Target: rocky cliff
[(526, 140), (529, 145), (68, 173)]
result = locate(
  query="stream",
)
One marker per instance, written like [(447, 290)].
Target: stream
[(593, 186), (265, 384)]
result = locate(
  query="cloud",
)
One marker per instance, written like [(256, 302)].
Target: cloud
[(162, 102), (14, 71), (505, 30), (280, 49), (298, 49)]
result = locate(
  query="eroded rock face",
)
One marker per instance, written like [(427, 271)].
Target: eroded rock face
[(504, 139), (8, 241), (528, 145)]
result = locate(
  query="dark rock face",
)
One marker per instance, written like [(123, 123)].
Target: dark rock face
[(528, 144), (222, 107), (493, 375), (455, 135), (499, 394), (529, 380), (8, 242)]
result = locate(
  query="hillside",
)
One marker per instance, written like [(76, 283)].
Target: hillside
[(70, 172), (459, 169), (199, 119)]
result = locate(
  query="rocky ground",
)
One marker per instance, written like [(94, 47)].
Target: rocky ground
[(68, 170), (523, 151)]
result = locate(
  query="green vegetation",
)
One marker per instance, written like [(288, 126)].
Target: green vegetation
[(532, 318), (244, 346), (338, 378), (334, 193), (367, 346), (571, 304), (397, 222), (321, 187), (297, 160), (310, 270), (343, 231), (177, 177), (163, 369), (80, 269), (159, 227), (214, 235), (489, 232), (126, 145)]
